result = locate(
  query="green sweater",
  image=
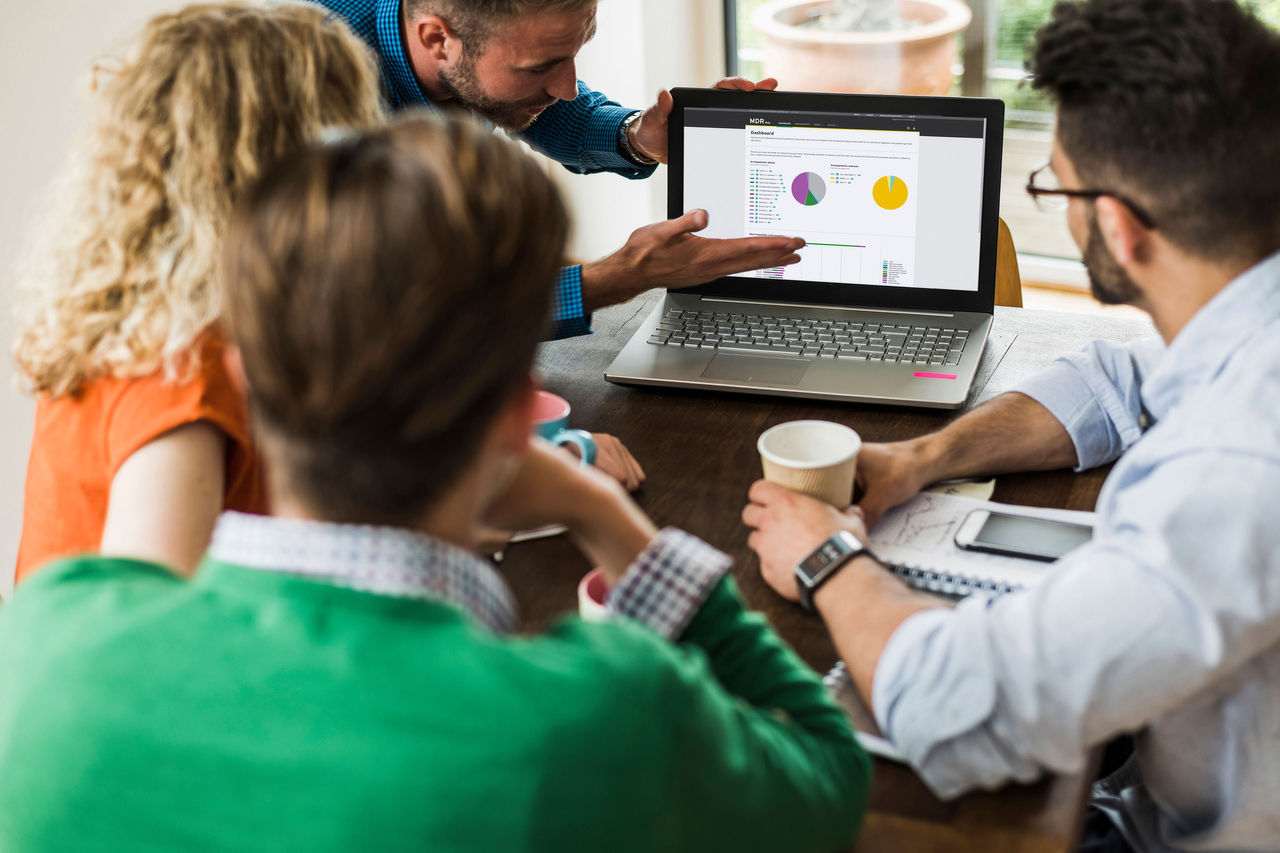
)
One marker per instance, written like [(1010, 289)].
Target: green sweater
[(249, 710)]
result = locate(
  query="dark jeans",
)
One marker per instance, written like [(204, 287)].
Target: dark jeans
[(1100, 834)]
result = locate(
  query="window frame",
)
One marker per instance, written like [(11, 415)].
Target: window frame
[(978, 51)]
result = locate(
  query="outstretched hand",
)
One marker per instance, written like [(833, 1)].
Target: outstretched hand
[(667, 254), (650, 132)]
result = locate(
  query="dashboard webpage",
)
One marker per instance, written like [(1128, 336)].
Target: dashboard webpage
[(885, 200)]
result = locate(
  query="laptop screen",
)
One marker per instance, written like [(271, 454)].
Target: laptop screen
[(882, 200)]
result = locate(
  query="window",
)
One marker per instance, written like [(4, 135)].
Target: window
[(987, 60)]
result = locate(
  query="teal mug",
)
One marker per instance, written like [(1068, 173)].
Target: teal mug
[(551, 421)]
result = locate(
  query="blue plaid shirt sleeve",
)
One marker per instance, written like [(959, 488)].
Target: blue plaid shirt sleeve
[(582, 134), (667, 584), (568, 317)]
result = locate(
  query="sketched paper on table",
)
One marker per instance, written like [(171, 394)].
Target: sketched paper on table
[(917, 540)]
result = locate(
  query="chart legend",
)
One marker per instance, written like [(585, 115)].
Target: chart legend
[(764, 188)]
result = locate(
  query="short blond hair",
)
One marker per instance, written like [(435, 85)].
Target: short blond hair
[(122, 281)]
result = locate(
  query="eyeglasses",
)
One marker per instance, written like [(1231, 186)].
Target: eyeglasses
[(1056, 198)]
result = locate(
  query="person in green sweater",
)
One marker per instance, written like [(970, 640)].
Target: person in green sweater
[(343, 674)]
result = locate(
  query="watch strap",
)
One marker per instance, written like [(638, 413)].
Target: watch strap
[(624, 142), (846, 548)]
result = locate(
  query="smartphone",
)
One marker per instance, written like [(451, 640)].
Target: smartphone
[(1020, 535)]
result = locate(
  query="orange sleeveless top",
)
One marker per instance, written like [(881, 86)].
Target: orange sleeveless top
[(81, 441)]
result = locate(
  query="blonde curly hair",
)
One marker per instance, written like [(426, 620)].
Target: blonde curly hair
[(122, 282)]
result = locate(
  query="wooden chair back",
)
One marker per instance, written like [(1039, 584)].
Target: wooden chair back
[(1008, 279)]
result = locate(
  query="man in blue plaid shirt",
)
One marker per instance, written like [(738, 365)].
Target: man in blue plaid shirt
[(511, 62)]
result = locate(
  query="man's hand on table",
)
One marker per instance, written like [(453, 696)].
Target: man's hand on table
[(787, 526), (649, 133), (551, 487), (889, 475), (667, 254)]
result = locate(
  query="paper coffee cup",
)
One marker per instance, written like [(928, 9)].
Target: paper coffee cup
[(815, 457), (592, 592)]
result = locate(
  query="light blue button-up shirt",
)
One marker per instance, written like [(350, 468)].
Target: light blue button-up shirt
[(1167, 625)]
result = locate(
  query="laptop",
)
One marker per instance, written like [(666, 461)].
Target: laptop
[(897, 198)]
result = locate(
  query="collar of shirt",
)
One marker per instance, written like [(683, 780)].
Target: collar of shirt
[(1241, 310), (382, 560), (406, 91)]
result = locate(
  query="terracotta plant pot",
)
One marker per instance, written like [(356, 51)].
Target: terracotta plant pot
[(916, 60)]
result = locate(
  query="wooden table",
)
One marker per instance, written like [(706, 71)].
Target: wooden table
[(698, 450)]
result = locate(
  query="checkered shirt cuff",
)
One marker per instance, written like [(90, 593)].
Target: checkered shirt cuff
[(568, 318), (666, 585)]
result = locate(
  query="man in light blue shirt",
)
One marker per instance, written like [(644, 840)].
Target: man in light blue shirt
[(1167, 626)]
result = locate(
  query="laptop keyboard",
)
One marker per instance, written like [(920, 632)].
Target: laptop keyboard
[(812, 338)]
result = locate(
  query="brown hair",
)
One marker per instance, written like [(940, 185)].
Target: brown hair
[(388, 292), (475, 20), (1176, 105), (122, 283)]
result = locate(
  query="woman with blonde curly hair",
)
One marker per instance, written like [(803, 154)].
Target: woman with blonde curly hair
[(141, 436)]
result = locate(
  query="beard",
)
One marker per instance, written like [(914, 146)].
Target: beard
[(1108, 282), (464, 87)]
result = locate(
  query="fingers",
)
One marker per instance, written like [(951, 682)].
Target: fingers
[(613, 458), (726, 260), (634, 473), (663, 106), (713, 257), (743, 246), (753, 515), (691, 222), (764, 492), (633, 465), (857, 520), (744, 85)]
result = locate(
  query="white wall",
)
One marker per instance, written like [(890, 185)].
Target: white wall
[(45, 49), (641, 46)]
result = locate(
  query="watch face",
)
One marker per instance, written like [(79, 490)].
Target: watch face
[(828, 554)]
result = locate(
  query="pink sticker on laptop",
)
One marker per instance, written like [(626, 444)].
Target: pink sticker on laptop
[(935, 375)]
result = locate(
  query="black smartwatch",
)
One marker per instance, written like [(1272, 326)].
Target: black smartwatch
[(827, 559)]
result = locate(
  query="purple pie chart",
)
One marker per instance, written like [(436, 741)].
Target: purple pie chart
[(808, 188)]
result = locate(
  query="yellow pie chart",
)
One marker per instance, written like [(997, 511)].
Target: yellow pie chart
[(890, 192)]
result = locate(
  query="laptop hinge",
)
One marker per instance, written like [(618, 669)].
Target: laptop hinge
[(825, 307)]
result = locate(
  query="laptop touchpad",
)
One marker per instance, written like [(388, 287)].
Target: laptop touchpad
[(756, 368)]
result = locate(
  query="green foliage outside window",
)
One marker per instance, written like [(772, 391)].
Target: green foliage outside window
[(1017, 22)]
